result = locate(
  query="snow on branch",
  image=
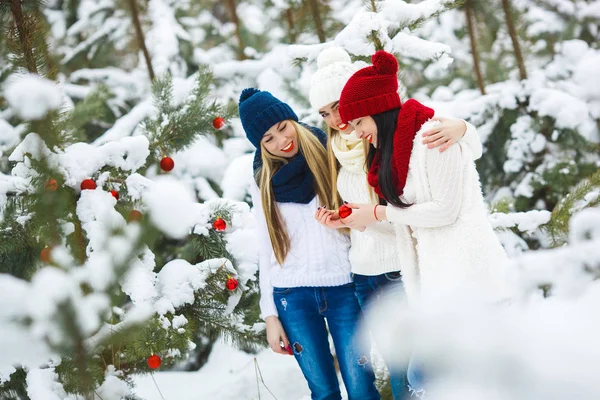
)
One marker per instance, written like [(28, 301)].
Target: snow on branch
[(528, 221), (390, 24), (566, 270)]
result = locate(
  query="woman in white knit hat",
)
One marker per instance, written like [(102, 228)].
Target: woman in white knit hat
[(374, 254)]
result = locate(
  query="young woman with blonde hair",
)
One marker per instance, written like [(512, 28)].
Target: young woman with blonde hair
[(374, 257), (305, 280)]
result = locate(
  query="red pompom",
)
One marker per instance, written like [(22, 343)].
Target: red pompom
[(88, 184), (154, 361), (344, 211), (167, 164), (218, 123), (115, 194), (220, 224), (51, 185), (45, 254), (231, 284), (135, 215), (384, 62)]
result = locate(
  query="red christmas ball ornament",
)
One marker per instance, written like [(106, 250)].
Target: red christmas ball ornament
[(220, 224), (45, 254), (135, 215), (51, 185), (115, 194), (344, 211), (289, 350), (167, 164), (218, 123), (154, 361), (88, 184), (231, 284)]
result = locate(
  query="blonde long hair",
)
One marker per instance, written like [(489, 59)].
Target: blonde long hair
[(316, 158)]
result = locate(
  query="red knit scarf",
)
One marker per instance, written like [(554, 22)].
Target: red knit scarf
[(411, 117)]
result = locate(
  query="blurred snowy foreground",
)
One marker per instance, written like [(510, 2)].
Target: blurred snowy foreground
[(229, 374), (533, 347)]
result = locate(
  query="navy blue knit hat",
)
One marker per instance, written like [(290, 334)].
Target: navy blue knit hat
[(259, 111)]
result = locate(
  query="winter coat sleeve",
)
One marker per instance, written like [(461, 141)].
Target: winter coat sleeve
[(267, 304), (471, 139), (445, 175)]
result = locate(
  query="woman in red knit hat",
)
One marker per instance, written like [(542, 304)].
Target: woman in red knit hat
[(437, 195), (373, 257)]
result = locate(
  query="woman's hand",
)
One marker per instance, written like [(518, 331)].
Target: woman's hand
[(329, 219), (276, 335), (446, 134), (362, 215)]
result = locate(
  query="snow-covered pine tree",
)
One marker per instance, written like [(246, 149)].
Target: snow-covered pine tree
[(108, 264), (541, 133)]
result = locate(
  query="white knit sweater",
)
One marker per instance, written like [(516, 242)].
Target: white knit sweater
[(456, 247), (373, 251), (318, 256)]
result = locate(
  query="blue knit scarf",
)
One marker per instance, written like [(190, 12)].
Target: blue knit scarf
[(293, 182)]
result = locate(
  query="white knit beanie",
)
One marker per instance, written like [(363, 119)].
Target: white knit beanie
[(334, 70)]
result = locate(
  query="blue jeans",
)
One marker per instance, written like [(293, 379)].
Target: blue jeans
[(302, 312), (369, 290)]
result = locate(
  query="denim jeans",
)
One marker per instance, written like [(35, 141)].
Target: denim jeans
[(302, 312), (369, 291)]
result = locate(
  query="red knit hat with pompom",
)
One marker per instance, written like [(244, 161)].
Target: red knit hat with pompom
[(371, 90)]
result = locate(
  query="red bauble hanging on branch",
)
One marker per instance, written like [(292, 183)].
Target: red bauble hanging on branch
[(88, 184), (167, 164), (51, 185), (46, 254), (220, 224), (135, 215), (231, 284), (154, 361), (115, 194), (344, 211), (218, 123)]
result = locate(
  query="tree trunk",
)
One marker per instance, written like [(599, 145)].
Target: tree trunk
[(232, 5), (25, 35), (314, 8), (72, 6), (515, 40), (289, 16), (140, 37), (474, 50)]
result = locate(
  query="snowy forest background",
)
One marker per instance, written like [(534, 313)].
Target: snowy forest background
[(160, 261)]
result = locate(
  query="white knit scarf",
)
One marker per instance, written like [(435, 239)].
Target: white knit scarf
[(349, 150)]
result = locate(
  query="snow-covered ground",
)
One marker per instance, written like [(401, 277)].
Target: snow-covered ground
[(230, 374)]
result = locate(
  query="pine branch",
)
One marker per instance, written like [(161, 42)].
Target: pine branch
[(558, 227), (178, 125), (15, 387)]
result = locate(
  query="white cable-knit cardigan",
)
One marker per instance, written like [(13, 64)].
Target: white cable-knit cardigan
[(454, 245), (318, 256), (373, 251)]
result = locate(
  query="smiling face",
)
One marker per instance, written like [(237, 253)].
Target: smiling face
[(331, 116), (281, 139), (365, 127)]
